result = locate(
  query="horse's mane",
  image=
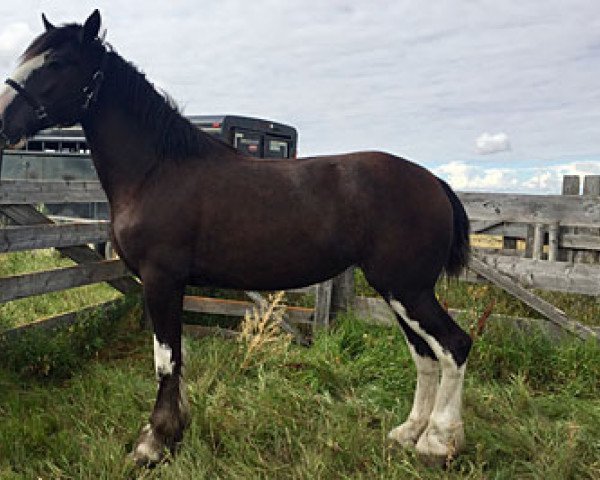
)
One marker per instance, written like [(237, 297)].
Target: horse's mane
[(174, 136)]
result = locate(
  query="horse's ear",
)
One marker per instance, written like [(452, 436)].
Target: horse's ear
[(47, 25), (91, 27)]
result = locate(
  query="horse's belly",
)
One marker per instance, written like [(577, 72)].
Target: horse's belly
[(273, 273)]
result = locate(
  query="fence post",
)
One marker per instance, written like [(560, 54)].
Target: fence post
[(342, 292), (529, 242), (591, 186), (553, 230), (538, 241), (570, 186), (322, 305)]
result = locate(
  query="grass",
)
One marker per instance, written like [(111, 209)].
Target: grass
[(532, 409), (20, 312), (72, 401)]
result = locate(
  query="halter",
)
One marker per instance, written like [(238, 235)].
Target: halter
[(89, 92)]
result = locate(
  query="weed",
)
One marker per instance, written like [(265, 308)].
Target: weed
[(261, 336)]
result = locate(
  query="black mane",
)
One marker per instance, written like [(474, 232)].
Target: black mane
[(174, 136)]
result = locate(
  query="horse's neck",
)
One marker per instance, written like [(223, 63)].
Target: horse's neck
[(122, 156)]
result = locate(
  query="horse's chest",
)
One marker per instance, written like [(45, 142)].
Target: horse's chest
[(128, 236)]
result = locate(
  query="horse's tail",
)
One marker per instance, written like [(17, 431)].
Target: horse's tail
[(460, 249)]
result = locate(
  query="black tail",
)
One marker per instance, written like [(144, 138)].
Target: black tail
[(460, 250)]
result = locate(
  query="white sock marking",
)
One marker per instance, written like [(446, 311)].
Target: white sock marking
[(428, 379), (163, 359), (446, 413)]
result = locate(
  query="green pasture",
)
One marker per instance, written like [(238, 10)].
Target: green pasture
[(73, 401)]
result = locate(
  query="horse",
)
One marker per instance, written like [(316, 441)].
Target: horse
[(187, 209)]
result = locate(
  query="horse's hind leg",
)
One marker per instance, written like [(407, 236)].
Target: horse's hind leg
[(444, 433), (164, 302), (428, 377)]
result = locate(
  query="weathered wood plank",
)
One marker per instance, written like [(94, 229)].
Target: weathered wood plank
[(26, 285), (323, 304), (583, 211), (376, 311), (480, 226), (570, 186), (538, 241), (238, 308), (18, 192), (580, 241), (58, 321), (553, 276), (540, 305), (14, 239), (553, 230), (342, 292), (27, 215), (591, 187)]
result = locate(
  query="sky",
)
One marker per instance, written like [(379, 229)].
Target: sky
[(497, 95)]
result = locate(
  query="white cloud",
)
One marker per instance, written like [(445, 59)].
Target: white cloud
[(463, 176), (549, 179), (488, 143), (521, 178), (542, 181)]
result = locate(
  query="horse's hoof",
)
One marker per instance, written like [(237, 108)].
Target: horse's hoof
[(437, 447), (406, 434), (148, 450)]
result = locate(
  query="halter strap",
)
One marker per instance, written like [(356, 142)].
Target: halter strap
[(40, 110), (89, 92)]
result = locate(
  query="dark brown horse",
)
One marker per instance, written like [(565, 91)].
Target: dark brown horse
[(187, 209)]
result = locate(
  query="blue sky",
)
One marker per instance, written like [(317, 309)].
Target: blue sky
[(491, 95)]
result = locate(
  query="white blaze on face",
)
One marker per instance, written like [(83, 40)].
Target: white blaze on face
[(20, 75), (163, 362)]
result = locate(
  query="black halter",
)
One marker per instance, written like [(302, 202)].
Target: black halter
[(89, 93)]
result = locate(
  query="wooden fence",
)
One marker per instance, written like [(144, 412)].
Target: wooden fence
[(26, 228), (550, 242)]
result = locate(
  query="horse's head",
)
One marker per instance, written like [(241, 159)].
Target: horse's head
[(58, 77)]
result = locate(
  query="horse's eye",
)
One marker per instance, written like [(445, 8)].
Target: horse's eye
[(54, 64)]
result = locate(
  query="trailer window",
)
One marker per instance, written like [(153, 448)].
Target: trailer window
[(248, 143), (277, 148)]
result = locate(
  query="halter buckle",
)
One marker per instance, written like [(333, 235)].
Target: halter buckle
[(90, 91)]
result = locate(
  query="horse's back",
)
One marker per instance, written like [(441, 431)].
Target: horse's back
[(264, 224)]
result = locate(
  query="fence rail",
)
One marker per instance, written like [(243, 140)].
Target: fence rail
[(568, 210), (30, 237), (538, 233)]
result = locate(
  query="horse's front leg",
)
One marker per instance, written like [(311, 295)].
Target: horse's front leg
[(163, 299)]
